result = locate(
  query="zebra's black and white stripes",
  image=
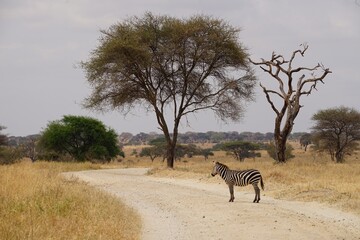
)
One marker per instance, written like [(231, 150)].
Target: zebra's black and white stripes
[(239, 178)]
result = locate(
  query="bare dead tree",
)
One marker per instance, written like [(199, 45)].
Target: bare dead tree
[(290, 91)]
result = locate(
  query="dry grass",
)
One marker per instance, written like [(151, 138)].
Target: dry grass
[(37, 203), (307, 177)]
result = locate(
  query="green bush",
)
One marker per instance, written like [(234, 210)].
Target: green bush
[(82, 138), (9, 155), (271, 150)]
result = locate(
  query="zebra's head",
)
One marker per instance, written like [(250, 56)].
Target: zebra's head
[(218, 168), (215, 169)]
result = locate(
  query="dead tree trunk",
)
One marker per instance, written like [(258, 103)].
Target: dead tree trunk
[(289, 93)]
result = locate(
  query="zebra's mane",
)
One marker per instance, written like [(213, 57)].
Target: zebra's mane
[(221, 164)]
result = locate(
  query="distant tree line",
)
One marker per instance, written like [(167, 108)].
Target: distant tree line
[(126, 138), (142, 138), (336, 132), (239, 150), (157, 149)]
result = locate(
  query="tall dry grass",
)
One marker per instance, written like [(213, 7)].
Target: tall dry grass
[(307, 177), (37, 203)]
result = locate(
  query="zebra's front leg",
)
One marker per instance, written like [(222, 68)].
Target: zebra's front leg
[(231, 189), (257, 193)]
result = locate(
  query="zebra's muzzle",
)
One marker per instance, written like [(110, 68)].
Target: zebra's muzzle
[(213, 174)]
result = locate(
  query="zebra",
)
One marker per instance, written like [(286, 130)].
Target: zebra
[(239, 178)]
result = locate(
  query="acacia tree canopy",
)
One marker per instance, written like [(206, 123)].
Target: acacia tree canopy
[(83, 138), (170, 66), (336, 131)]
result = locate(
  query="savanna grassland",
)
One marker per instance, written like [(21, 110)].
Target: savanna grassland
[(307, 177), (38, 203)]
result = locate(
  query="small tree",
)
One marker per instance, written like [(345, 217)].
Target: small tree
[(157, 149), (241, 150), (83, 138), (336, 131), (152, 152), (206, 153), (3, 137), (292, 86), (305, 140), (173, 67)]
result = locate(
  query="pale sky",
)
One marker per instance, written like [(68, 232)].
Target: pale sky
[(42, 42)]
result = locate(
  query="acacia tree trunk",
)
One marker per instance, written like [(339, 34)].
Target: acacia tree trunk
[(170, 140), (170, 158), (170, 149), (339, 152)]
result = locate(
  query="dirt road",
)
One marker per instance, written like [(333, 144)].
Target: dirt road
[(188, 209)]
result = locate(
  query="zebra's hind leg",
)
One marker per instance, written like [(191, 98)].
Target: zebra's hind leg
[(257, 193), (231, 189)]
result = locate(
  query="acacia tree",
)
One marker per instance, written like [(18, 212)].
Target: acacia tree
[(173, 67), (241, 150), (337, 131), (155, 150), (293, 83)]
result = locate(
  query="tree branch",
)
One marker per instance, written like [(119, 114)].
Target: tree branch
[(269, 99), (313, 80)]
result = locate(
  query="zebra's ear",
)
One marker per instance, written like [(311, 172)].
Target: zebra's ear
[(214, 162)]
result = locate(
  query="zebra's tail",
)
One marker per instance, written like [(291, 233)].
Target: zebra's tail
[(262, 183)]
